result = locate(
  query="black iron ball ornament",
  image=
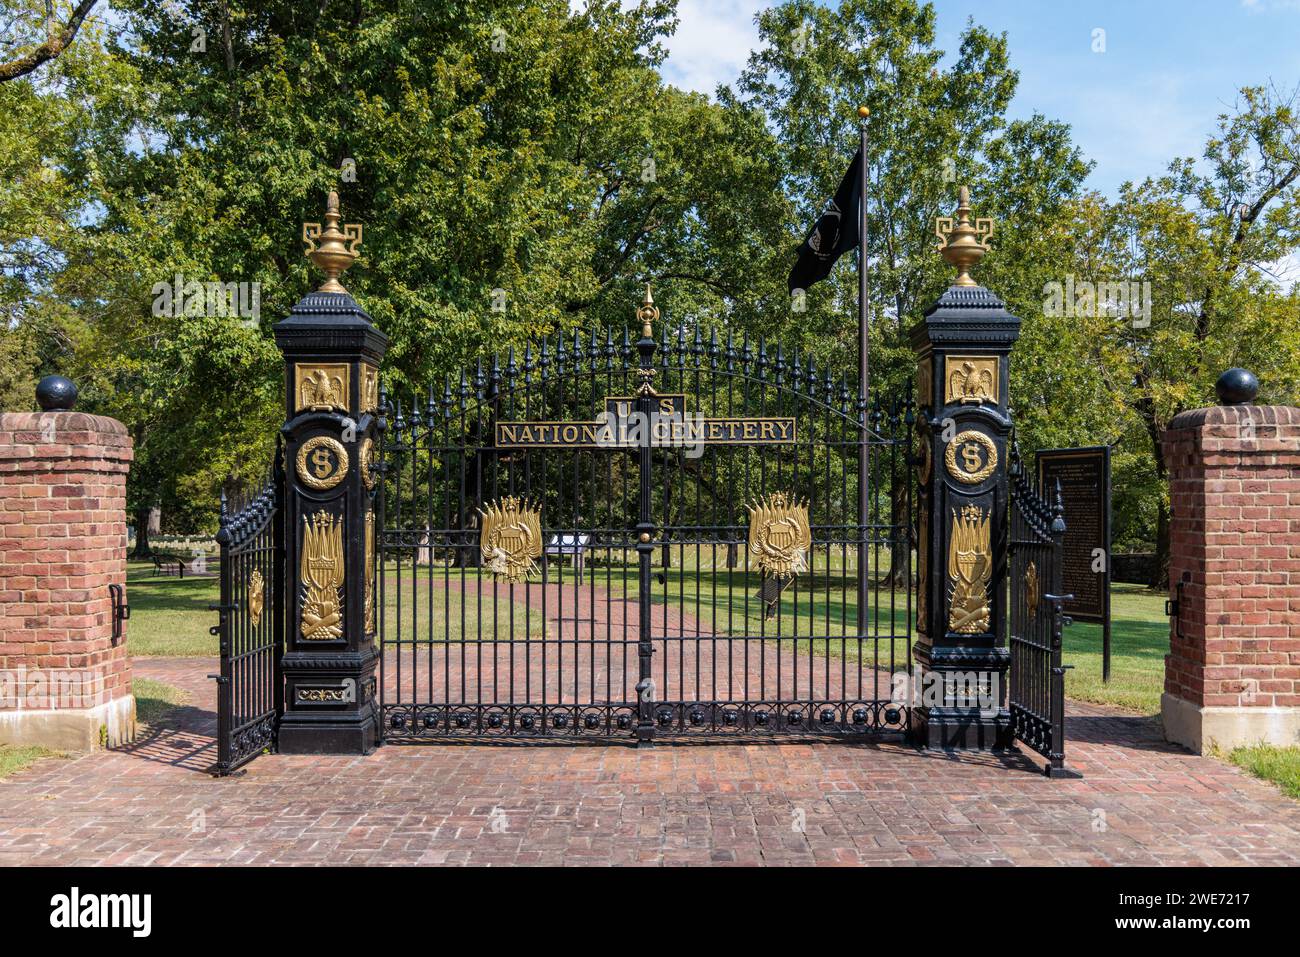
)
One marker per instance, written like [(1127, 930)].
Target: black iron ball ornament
[(56, 393), (1236, 387)]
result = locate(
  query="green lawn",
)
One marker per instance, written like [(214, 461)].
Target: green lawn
[(169, 616), (1139, 640), (1279, 765), (13, 760), (154, 699)]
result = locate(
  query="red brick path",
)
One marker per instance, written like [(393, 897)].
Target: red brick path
[(1141, 802), (590, 656)]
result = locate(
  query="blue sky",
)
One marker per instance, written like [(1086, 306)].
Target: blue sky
[(1170, 67)]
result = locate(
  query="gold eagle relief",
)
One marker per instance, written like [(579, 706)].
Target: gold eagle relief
[(779, 535), (322, 577), (322, 387), (970, 568), (972, 380), (511, 538)]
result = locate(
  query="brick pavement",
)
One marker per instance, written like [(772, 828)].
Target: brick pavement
[(1141, 802), (590, 654)]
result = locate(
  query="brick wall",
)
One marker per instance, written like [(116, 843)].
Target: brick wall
[(62, 541), (1234, 483)]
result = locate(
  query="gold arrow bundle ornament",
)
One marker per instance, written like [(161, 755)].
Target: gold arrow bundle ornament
[(963, 245), (332, 249), (970, 568), (322, 572)]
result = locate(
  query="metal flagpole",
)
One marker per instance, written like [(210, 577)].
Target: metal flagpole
[(864, 375)]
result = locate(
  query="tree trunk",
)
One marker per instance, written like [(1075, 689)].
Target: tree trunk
[(898, 545), (1160, 567), (144, 526)]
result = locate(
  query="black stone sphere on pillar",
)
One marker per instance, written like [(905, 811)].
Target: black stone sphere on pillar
[(56, 393), (332, 426), (963, 345)]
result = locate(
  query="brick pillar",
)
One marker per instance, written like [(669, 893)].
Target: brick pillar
[(63, 683), (1232, 675)]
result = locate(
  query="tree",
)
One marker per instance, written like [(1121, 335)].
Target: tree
[(1206, 241), (58, 35)]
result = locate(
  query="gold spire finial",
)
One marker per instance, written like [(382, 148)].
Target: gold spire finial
[(963, 245), (331, 249), (648, 313)]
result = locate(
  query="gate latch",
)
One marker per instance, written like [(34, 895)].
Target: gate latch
[(121, 610), (222, 611), (1173, 606)]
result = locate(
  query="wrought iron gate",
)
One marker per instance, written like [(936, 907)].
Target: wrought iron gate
[(541, 578), (250, 692), (1037, 676)]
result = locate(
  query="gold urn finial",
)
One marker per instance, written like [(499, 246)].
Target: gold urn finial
[(331, 249), (648, 313), (963, 245)]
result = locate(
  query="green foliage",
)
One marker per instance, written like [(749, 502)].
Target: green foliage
[(1276, 764), (521, 169)]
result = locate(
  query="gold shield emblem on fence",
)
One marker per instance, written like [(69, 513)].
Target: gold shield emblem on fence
[(780, 534), (511, 538)]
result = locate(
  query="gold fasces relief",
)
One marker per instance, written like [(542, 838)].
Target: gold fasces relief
[(256, 594), (1032, 590), (970, 567), (923, 570), (925, 462), (971, 457), (780, 534), (369, 388), (924, 382), (322, 576), (321, 387), (366, 456), (511, 538), (370, 572), (322, 462), (972, 380)]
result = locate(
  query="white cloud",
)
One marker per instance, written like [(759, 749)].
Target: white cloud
[(712, 43)]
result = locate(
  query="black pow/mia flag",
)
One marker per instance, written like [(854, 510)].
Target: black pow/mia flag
[(834, 233)]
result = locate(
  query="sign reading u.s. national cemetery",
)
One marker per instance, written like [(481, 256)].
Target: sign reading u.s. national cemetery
[(668, 424)]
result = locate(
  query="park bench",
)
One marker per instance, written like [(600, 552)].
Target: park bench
[(167, 564), (574, 545)]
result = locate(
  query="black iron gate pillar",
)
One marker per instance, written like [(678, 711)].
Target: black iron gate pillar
[(963, 345), (648, 314), (332, 352)]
